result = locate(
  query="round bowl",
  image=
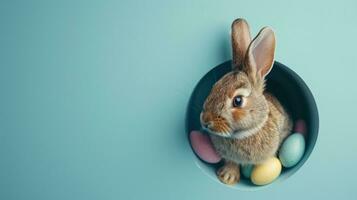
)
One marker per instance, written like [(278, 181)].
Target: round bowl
[(283, 83)]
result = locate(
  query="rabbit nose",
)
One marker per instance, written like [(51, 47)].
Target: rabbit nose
[(206, 120), (206, 117)]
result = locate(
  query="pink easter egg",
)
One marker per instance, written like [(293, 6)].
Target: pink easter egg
[(203, 147), (300, 127)]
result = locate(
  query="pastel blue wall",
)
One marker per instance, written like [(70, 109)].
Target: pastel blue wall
[(94, 94)]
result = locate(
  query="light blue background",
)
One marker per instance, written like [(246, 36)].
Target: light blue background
[(94, 94)]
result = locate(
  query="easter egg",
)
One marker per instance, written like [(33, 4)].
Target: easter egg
[(292, 150), (247, 170), (300, 127), (203, 147), (266, 172)]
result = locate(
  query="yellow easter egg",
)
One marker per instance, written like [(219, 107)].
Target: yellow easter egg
[(266, 172)]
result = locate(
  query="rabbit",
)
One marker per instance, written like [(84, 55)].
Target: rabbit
[(245, 123)]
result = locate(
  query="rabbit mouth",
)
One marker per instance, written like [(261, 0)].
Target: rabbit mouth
[(217, 126)]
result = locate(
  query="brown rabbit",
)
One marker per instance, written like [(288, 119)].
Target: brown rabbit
[(246, 124)]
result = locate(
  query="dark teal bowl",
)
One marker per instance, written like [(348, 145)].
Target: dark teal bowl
[(291, 91)]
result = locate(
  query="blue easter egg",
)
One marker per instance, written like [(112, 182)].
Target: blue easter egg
[(247, 170), (292, 150)]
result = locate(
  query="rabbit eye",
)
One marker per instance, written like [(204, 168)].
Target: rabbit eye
[(238, 101)]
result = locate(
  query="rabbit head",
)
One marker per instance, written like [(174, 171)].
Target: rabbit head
[(236, 106)]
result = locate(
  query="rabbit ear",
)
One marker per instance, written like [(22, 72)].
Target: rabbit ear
[(240, 42), (260, 54)]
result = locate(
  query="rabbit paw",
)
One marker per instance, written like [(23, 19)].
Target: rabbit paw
[(229, 173)]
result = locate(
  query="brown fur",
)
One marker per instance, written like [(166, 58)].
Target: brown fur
[(252, 133), (238, 114), (260, 146)]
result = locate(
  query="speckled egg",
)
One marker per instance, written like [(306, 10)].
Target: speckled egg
[(203, 147), (292, 150), (266, 172)]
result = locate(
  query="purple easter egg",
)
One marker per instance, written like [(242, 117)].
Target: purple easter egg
[(203, 147), (300, 127)]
